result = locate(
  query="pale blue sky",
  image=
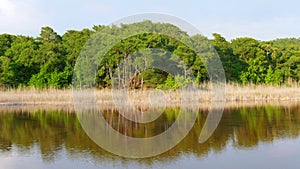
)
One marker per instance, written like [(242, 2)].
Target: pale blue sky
[(261, 19)]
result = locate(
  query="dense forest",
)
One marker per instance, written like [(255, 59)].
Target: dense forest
[(49, 59)]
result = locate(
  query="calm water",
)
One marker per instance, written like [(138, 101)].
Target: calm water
[(257, 137)]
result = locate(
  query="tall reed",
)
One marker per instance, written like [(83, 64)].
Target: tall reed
[(234, 93)]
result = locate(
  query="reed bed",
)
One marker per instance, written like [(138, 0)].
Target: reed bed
[(258, 93), (31, 96), (234, 93), (202, 106)]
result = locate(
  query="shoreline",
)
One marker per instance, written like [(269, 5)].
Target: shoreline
[(233, 93), (69, 108), (236, 95)]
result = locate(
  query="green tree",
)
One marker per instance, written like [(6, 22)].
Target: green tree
[(253, 58), (5, 42), (231, 63), (274, 76)]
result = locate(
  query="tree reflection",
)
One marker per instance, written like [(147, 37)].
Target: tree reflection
[(244, 127)]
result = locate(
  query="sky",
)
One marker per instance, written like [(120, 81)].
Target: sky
[(260, 19)]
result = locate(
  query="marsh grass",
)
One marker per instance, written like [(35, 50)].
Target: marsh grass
[(252, 92), (36, 96), (234, 93)]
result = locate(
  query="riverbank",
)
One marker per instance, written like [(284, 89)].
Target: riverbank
[(234, 93)]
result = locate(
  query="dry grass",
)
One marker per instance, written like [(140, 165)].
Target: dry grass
[(234, 93), (253, 92), (34, 96), (202, 106)]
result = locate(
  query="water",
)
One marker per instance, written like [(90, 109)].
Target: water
[(257, 137)]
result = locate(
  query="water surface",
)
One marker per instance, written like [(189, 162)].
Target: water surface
[(247, 137)]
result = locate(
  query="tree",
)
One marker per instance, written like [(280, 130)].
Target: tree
[(51, 57), (49, 60), (5, 42), (231, 63), (22, 53), (49, 35), (253, 58), (274, 76), (6, 72)]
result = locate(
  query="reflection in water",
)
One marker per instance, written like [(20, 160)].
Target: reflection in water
[(55, 133)]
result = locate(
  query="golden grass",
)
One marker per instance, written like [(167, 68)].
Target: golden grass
[(234, 93), (69, 108), (253, 92), (34, 96)]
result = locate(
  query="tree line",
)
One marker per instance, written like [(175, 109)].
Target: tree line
[(49, 59)]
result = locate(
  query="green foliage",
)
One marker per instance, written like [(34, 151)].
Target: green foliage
[(169, 83), (176, 82), (49, 59), (5, 42), (6, 72), (274, 76), (231, 63), (152, 77)]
